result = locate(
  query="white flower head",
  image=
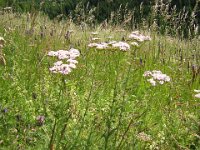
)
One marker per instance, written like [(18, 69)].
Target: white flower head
[(52, 53), (121, 45), (135, 44), (72, 61), (147, 73), (197, 91), (58, 63), (135, 35), (156, 76), (92, 45), (102, 46), (68, 56), (197, 95), (152, 81)]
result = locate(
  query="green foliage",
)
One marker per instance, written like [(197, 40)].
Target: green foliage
[(105, 103)]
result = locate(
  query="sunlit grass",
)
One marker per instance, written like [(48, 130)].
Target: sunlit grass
[(105, 103)]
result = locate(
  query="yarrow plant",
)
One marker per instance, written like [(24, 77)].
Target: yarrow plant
[(123, 46), (198, 94), (156, 76), (135, 35), (64, 55)]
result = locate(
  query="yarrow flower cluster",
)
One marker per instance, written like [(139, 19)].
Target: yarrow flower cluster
[(63, 55), (123, 46), (198, 93), (135, 35), (156, 76)]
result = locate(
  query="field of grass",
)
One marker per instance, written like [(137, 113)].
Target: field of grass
[(105, 102)]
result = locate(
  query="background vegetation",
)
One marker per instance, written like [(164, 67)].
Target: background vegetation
[(134, 13)]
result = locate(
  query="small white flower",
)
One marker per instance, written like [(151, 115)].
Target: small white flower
[(167, 79), (70, 55), (52, 53), (74, 51), (147, 73), (102, 46), (92, 45), (121, 45), (58, 63), (152, 81), (72, 66), (72, 61), (197, 91), (197, 95), (161, 82), (63, 54), (135, 44), (138, 37), (157, 76)]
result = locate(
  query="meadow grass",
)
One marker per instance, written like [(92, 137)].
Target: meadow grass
[(106, 102)]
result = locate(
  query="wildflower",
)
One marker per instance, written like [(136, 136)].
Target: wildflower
[(197, 91), (64, 55), (138, 37), (197, 95), (65, 69), (72, 61), (122, 46), (98, 45), (92, 45), (156, 76), (72, 66), (152, 81), (52, 53), (58, 63), (147, 73), (112, 44), (74, 52), (102, 46), (134, 44), (7, 8)]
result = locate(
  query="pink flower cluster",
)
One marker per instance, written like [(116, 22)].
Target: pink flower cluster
[(123, 46), (135, 35), (156, 76), (63, 55)]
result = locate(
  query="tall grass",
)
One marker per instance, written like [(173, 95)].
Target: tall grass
[(105, 103)]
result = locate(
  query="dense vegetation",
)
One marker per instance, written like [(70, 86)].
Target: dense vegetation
[(134, 13), (86, 80)]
